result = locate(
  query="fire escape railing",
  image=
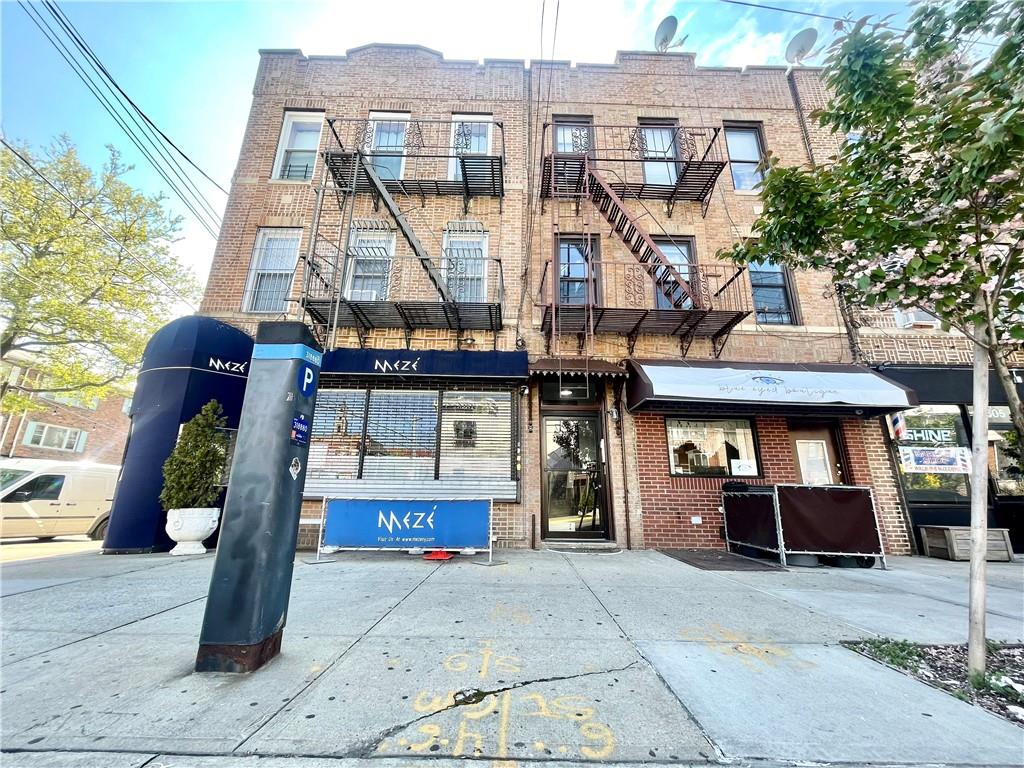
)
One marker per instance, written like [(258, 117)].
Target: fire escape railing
[(656, 160)]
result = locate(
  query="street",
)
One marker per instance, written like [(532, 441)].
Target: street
[(15, 550), (629, 657)]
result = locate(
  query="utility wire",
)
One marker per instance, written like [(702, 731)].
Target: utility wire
[(128, 252), (823, 16), (56, 8), (146, 131), (77, 68)]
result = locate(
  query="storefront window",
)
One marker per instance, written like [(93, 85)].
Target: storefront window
[(934, 456), (393, 437), (724, 448), (1004, 452)]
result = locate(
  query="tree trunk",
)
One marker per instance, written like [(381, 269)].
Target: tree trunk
[(1009, 386), (979, 508)]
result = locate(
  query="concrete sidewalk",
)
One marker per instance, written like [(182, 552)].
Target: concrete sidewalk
[(630, 657)]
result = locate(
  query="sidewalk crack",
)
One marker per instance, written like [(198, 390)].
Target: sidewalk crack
[(463, 698)]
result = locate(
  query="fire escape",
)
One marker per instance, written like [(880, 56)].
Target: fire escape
[(586, 168), (355, 278)]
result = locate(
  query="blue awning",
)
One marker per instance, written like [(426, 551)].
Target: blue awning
[(441, 364)]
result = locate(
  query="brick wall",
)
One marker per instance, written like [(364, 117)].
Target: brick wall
[(107, 427)]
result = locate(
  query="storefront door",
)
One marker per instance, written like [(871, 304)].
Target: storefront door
[(816, 455), (573, 478)]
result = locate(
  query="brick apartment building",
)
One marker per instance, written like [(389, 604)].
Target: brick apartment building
[(434, 220), (65, 427)]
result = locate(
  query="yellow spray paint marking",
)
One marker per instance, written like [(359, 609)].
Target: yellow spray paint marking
[(752, 655), (484, 661), (517, 613)]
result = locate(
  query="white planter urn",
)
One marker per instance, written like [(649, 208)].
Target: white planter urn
[(190, 527)]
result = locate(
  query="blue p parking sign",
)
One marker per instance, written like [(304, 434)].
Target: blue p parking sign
[(306, 379)]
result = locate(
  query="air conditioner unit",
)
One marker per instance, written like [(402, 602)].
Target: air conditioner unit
[(915, 318)]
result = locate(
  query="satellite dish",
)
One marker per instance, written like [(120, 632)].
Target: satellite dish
[(800, 46), (665, 32)]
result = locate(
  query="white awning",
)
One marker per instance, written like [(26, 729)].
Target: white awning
[(838, 387)]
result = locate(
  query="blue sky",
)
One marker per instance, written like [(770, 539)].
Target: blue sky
[(190, 65)]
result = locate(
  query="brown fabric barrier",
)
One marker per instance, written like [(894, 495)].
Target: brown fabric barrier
[(828, 519), (750, 519)]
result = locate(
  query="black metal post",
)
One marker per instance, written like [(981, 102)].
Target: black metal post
[(251, 582)]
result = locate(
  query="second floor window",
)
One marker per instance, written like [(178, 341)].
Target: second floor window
[(577, 282), (388, 143), (40, 435), (471, 135), (679, 253), (296, 152), (771, 289), (272, 269), (465, 265), (659, 141), (574, 135), (745, 152), (371, 256)]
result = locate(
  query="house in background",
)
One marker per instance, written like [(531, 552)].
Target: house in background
[(65, 427)]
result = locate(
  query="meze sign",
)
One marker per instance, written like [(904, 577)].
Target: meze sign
[(408, 524)]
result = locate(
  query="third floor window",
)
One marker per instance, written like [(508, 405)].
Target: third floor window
[(471, 135), (296, 151), (772, 293), (746, 148)]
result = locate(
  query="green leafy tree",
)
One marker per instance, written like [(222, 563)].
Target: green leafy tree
[(924, 206), (76, 308), (193, 471)]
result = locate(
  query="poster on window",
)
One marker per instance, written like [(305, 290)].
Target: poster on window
[(936, 461)]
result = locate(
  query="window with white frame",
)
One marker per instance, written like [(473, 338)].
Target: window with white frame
[(371, 255), (915, 318), (659, 144), (465, 264), (471, 135), (388, 133), (678, 252), (271, 270), (746, 148), (40, 435), (296, 150)]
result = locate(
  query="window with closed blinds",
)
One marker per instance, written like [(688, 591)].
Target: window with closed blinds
[(336, 436), (403, 443), (401, 435), (476, 435)]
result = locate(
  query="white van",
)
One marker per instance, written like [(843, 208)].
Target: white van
[(44, 498)]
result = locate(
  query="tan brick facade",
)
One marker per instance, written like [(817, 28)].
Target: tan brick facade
[(638, 86)]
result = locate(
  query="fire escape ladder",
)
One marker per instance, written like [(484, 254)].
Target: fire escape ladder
[(407, 233), (674, 287)]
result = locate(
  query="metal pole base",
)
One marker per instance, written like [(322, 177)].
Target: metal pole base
[(490, 562), (238, 658)]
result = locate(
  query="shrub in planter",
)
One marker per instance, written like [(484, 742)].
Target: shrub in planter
[(192, 475)]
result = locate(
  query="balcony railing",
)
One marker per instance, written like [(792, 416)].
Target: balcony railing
[(655, 161), (419, 157), (634, 299), (371, 287)]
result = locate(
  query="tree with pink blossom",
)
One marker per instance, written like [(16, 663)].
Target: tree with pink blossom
[(924, 205)]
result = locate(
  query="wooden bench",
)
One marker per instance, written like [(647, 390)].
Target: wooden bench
[(953, 542)]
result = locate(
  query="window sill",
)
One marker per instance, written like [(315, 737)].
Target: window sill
[(291, 182), (748, 192)]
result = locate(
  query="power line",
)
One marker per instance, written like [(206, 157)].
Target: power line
[(98, 226), (128, 98), (823, 16), (78, 69), (154, 141)]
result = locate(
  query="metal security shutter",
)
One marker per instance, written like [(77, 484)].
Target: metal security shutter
[(415, 442)]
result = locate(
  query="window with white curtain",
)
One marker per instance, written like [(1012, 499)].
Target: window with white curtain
[(371, 255), (296, 150), (40, 435), (388, 144), (272, 269), (465, 265)]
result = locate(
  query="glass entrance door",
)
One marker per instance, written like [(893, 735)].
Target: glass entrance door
[(573, 476)]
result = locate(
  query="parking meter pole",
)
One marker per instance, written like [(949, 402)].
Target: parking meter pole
[(251, 582)]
